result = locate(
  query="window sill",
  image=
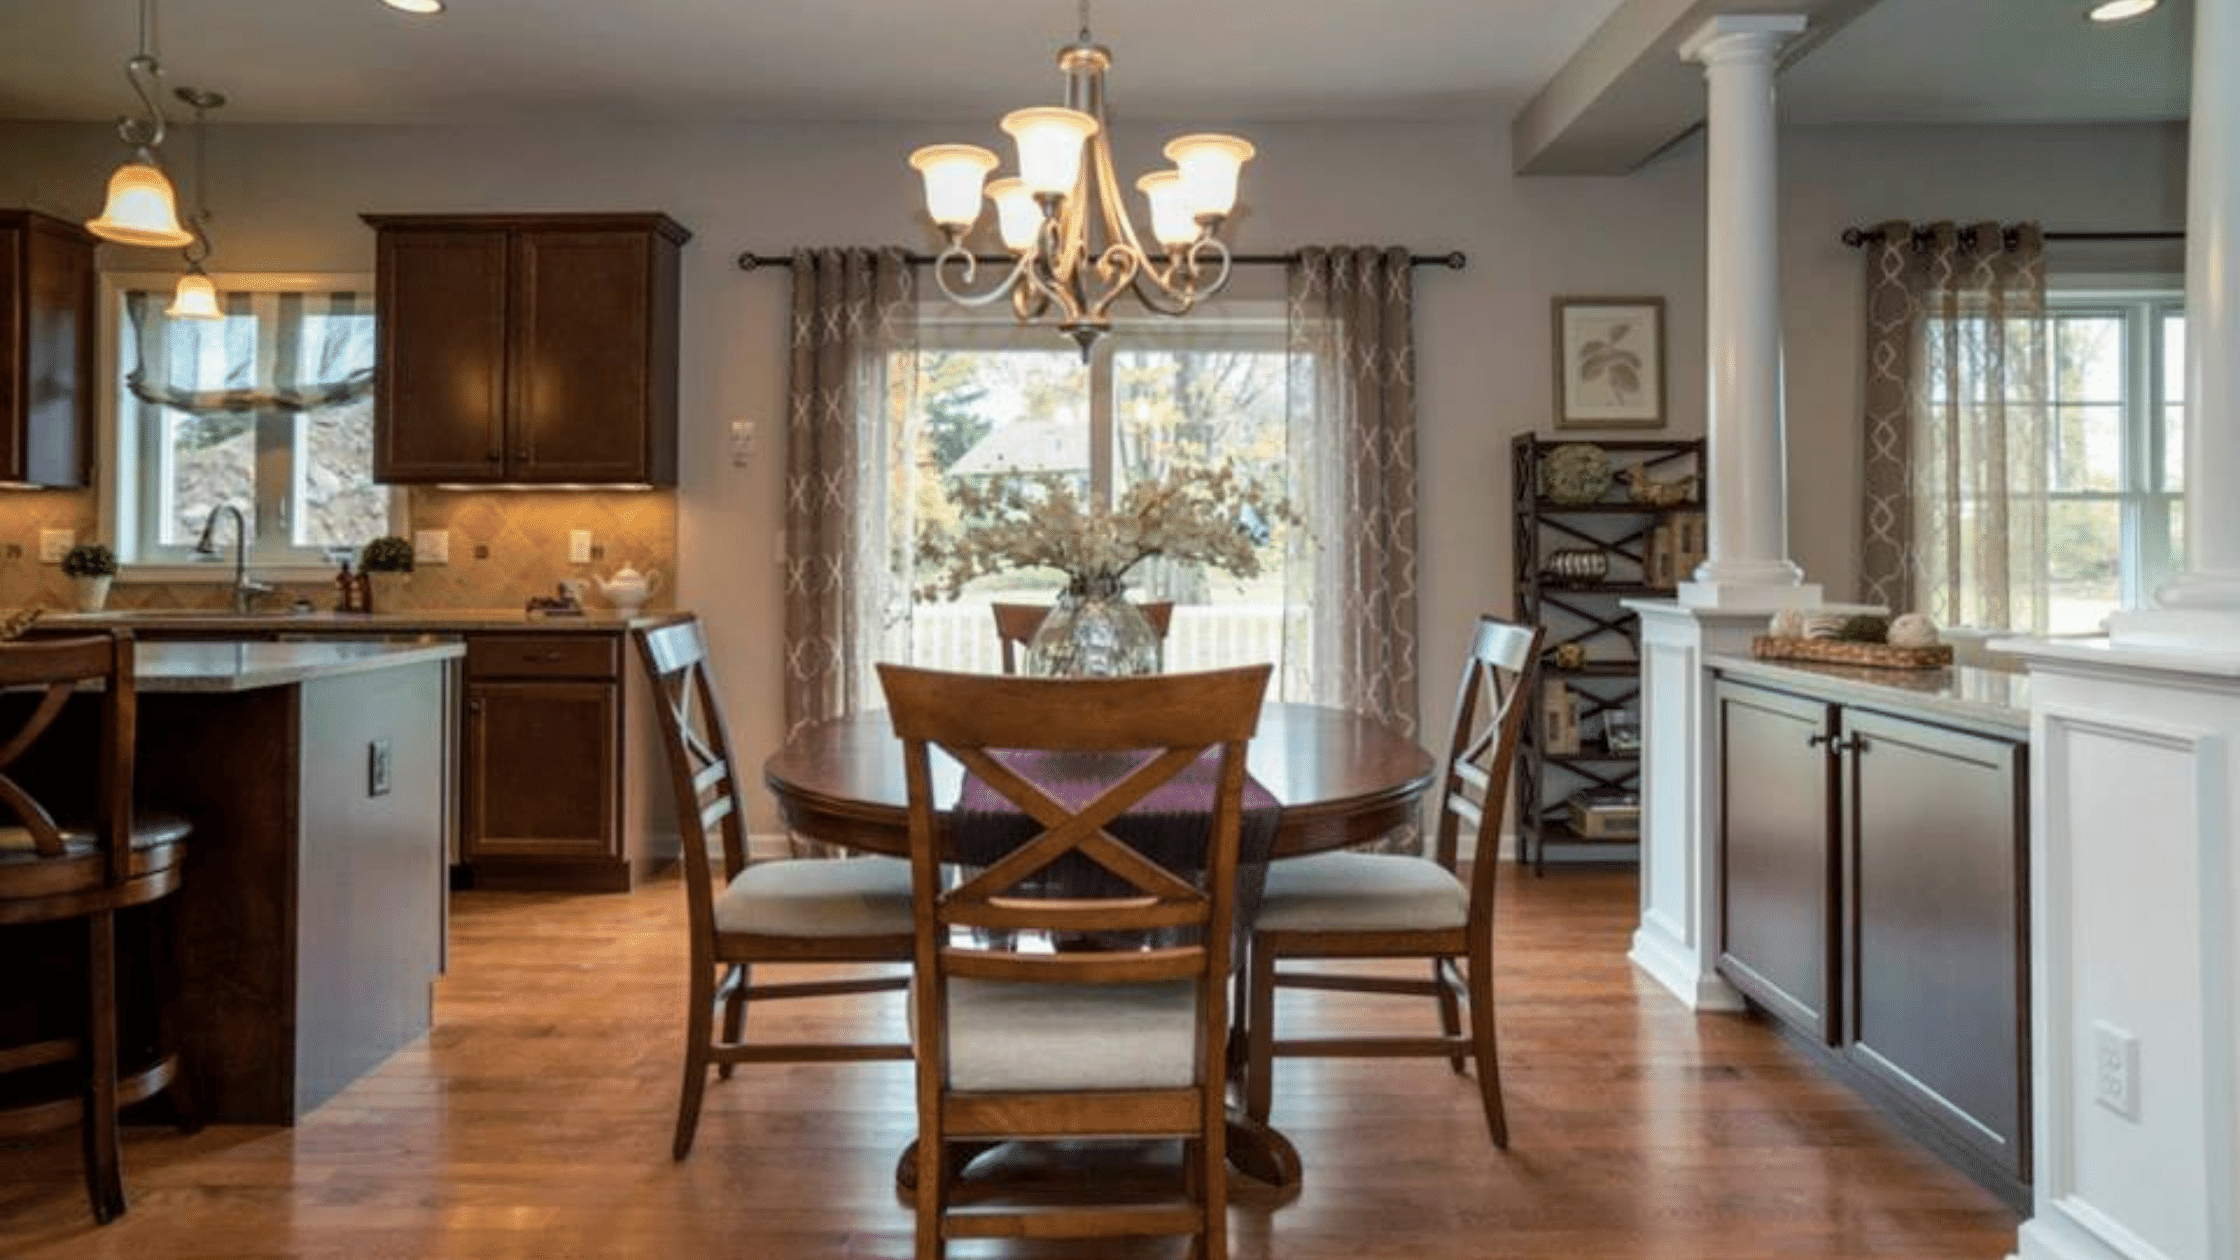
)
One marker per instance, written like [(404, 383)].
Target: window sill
[(215, 574)]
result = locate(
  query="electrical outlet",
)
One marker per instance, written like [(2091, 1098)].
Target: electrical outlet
[(579, 546), (742, 442), (377, 768), (431, 546), (2115, 1069), (54, 544)]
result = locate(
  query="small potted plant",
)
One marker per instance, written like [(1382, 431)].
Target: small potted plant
[(387, 564), (91, 567)]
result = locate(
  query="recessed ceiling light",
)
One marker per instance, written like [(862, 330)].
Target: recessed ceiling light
[(436, 6), (2105, 11)]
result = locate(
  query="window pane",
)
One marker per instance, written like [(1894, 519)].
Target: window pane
[(336, 502), (206, 462), (2088, 448), (2089, 359), (2084, 546)]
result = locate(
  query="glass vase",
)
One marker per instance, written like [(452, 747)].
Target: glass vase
[(1094, 632)]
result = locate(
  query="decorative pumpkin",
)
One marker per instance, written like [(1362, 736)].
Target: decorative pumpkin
[(1787, 624), (1913, 630), (1863, 629), (1824, 625)]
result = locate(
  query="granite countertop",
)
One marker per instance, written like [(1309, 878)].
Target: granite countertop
[(227, 667), (1989, 699), (375, 625)]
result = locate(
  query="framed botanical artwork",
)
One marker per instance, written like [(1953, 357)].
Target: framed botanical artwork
[(1609, 355)]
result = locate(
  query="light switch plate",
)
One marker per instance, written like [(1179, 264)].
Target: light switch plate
[(579, 546), (54, 544), (431, 546)]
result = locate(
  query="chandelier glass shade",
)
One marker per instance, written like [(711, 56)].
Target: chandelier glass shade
[(1074, 249)]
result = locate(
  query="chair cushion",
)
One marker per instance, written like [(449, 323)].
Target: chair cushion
[(1361, 892), (1023, 1037), (818, 897), (150, 829)]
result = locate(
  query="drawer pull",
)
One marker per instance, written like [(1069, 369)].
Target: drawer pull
[(547, 658), (1837, 745)]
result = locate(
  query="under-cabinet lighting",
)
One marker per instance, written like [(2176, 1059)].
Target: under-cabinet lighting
[(472, 487), (2121, 10), (415, 6)]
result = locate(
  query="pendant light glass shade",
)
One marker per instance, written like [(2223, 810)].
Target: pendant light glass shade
[(1209, 165), (196, 298), (1016, 214), (953, 173), (1049, 140), (141, 210)]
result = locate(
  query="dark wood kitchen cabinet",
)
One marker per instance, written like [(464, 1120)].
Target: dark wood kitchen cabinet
[(47, 311), (1874, 871), (527, 349)]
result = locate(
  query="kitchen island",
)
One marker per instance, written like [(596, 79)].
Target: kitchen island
[(311, 918)]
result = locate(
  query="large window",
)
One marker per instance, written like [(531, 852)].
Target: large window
[(2115, 521), (993, 401), (266, 411)]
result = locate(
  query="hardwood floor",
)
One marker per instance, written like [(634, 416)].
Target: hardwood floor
[(535, 1123)]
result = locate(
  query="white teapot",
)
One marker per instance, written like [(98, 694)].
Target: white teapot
[(628, 588)]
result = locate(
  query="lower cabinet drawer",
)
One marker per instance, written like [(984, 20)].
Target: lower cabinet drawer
[(543, 656)]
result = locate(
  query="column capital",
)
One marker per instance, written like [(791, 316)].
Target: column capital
[(1740, 38)]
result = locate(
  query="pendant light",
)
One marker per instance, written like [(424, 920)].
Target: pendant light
[(141, 209), (197, 296)]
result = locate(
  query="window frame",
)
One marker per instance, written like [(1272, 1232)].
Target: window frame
[(2145, 508), (123, 446)]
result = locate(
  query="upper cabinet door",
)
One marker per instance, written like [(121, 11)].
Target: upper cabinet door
[(440, 395), (583, 400), (47, 376)]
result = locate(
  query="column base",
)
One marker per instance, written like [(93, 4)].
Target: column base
[(1672, 964), (1717, 594), (2214, 630)]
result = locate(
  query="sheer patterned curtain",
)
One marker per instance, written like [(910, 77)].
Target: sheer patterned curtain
[(319, 352), (854, 333), (1957, 465), (1350, 634)]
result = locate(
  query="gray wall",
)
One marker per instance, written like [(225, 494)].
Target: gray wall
[(288, 197)]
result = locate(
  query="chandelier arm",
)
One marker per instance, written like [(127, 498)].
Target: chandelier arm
[(1058, 277), (1161, 293), (956, 253), (1118, 267)]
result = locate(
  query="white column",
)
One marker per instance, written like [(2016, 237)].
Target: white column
[(2201, 607), (1748, 506)]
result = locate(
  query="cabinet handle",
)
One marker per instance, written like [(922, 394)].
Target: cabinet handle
[(548, 658), (1821, 737), (1837, 745)]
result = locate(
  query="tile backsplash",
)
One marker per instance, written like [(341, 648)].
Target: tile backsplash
[(506, 545)]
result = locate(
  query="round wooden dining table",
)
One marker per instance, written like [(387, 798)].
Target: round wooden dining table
[(1340, 779)]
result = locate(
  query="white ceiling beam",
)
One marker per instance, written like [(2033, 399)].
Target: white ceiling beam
[(1626, 95)]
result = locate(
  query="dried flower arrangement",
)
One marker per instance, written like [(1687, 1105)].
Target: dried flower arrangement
[(1194, 515)]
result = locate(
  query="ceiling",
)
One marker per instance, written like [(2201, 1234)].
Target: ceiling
[(1183, 60)]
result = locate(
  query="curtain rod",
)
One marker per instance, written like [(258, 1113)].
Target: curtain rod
[(1453, 260), (1856, 237)]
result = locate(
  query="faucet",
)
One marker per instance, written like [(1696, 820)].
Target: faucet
[(245, 591)]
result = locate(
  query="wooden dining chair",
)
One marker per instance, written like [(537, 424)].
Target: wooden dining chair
[(795, 910), (1381, 905), (1016, 624), (56, 870), (1114, 1042)]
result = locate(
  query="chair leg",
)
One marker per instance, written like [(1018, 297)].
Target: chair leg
[(1213, 1189), (735, 1012), (1482, 1033), (1259, 1087), (699, 1027), (932, 1195), (1450, 1009), (103, 1167)]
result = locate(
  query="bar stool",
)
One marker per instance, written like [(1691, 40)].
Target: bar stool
[(55, 872)]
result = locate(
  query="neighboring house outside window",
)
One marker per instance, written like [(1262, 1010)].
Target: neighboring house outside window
[(1000, 400), (269, 410)]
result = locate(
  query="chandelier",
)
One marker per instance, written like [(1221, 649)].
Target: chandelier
[(141, 208), (1074, 250)]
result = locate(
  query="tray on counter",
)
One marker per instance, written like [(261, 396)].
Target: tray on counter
[(1841, 652)]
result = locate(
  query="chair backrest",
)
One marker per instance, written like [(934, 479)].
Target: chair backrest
[(701, 774), (1016, 624), (1172, 720), (1489, 711), (48, 671)]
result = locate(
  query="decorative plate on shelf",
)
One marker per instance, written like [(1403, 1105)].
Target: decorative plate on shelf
[(1575, 473)]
